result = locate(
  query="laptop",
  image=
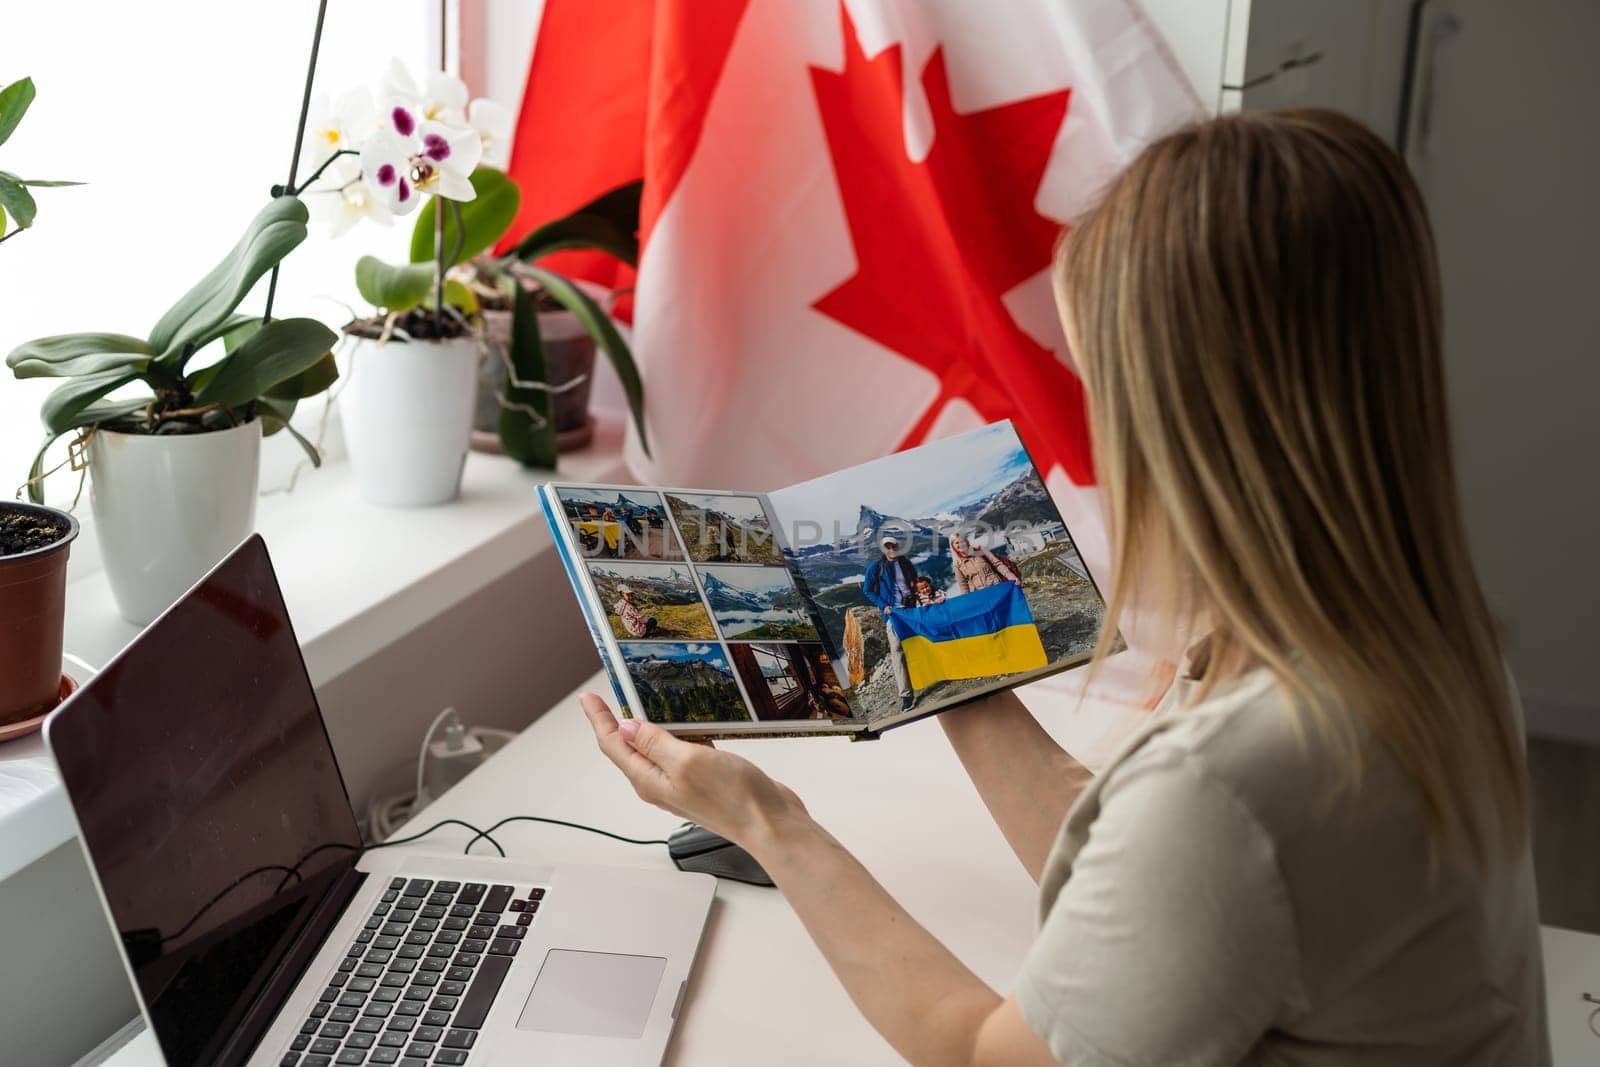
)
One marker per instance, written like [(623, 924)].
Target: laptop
[(256, 927)]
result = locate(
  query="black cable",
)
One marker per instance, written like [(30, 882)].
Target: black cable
[(289, 872), (438, 825), (557, 822)]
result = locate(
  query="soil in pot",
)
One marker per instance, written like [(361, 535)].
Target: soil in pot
[(34, 542)]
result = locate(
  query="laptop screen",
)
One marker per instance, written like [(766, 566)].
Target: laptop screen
[(209, 801)]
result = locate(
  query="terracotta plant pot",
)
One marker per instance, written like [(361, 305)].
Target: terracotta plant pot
[(33, 598), (569, 353)]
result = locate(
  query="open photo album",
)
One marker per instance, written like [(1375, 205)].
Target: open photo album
[(848, 604)]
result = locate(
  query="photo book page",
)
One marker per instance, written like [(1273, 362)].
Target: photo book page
[(847, 604)]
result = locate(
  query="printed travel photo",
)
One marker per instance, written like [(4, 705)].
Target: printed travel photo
[(683, 683), (790, 681), (651, 601), (724, 528), (757, 604), (940, 570), (619, 523)]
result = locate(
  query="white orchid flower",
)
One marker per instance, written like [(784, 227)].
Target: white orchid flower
[(445, 163), (340, 209), (443, 99), (386, 167), (340, 128), (493, 122)]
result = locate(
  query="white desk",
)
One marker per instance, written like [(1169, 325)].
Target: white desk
[(761, 992)]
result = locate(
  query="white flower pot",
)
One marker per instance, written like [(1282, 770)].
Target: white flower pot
[(407, 414), (168, 508)]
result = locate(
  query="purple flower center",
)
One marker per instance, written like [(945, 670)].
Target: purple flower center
[(436, 148), (403, 121), (405, 190), (386, 174)]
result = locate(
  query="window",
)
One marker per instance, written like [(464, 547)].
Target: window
[(777, 672), (180, 116)]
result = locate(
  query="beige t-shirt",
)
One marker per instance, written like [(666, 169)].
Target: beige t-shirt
[(1205, 904)]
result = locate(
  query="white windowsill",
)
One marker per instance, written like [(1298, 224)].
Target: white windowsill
[(355, 578)]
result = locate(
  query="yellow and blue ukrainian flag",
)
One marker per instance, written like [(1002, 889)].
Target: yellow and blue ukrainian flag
[(976, 635)]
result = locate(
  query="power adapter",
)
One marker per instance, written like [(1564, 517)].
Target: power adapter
[(451, 759)]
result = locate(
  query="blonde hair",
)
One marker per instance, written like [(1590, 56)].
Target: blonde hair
[(1254, 307)]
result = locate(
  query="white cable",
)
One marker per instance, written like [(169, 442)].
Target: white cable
[(422, 755)]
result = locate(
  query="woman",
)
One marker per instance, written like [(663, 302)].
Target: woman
[(1316, 850), (976, 567), (633, 618)]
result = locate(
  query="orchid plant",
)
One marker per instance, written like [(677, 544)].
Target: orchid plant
[(377, 157), (16, 203)]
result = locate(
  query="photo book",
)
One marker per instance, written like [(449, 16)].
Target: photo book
[(844, 605)]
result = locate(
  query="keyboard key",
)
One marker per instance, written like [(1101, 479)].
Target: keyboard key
[(394, 1038), (379, 955), (402, 966), (348, 964), (385, 941), (338, 979), (504, 946), (429, 1033), (386, 995), (536, 894), (289, 1059), (396, 978), (496, 899), (365, 937), (397, 883), (343, 1015), (318, 1010), (394, 929), (448, 887), (435, 911), (425, 979), (310, 1026), (487, 918), (363, 985), (381, 909), (463, 911), (374, 922), (473, 892), (403, 912), (369, 1026), (460, 1038), (484, 932), (353, 999), (410, 952), (385, 1055), (459, 974), (441, 949), (408, 1007), (434, 963), (330, 994), (419, 993), (467, 959), (512, 931), (412, 1061), (451, 1056), (447, 937), (426, 925), (442, 899), (310, 1060), (378, 1008), (360, 1041), (418, 937), (299, 1043), (419, 887), (443, 1003), (481, 994), (325, 1046), (533, 906), (400, 1024), (475, 944), (518, 905), (436, 1018), (390, 895), (350, 1057), (525, 919), (455, 922), (335, 1029), (420, 1050), (452, 989)]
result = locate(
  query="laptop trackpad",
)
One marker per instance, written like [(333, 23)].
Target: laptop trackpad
[(598, 994)]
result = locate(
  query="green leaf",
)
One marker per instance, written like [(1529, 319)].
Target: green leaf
[(609, 223), (604, 331), (70, 355), (95, 414), (484, 219), (275, 232), (46, 185), (275, 416), (18, 202), (460, 296), (14, 101), (279, 350), (530, 444), (62, 409), (393, 288), (314, 379)]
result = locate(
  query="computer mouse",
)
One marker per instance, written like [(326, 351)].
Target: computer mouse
[(694, 848)]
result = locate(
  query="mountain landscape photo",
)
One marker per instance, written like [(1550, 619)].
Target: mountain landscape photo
[(663, 591), (684, 682), (981, 485), (724, 528), (757, 604)]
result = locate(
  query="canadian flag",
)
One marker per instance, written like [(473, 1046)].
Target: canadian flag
[(849, 213)]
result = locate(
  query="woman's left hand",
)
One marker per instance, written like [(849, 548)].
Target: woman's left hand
[(724, 793)]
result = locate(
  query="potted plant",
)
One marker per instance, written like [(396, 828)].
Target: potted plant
[(533, 397), (407, 400), (173, 467), (34, 542), (15, 200)]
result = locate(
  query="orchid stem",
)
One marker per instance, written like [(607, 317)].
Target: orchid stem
[(299, 137), (309, 182)]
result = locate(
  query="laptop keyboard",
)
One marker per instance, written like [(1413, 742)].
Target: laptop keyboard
[(417, 982)]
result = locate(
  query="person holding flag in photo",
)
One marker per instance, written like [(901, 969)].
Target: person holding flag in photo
[(891, 583)]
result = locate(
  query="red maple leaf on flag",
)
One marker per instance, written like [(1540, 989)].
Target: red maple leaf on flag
[(939, 242)]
